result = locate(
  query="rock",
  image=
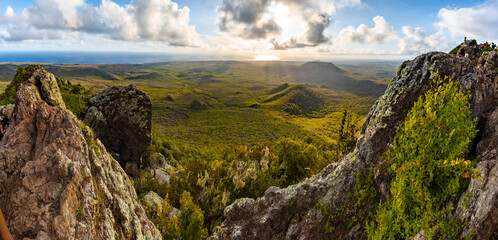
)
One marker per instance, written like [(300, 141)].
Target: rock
[(5, 111), (296, 212), (122, 117), (48, 88), (155, 201), (162, 176), (131, 168), (57, 181)]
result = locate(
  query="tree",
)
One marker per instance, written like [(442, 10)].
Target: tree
[(426, 163)]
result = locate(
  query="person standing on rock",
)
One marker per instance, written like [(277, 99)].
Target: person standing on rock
[(4, 231)]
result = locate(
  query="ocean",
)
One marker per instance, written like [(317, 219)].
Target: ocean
[(98, 57)]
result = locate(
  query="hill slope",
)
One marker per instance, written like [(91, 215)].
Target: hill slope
[(332, 77), (296, 100), (323, 207)]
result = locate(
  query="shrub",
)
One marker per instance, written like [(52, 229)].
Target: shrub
[(166, 224), (22, 75), (347, 132), (145, 183), (297, 159), (191, 219), (426, 163), (75, 96)]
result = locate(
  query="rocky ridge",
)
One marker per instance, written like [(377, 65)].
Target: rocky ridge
[(57, 180), (320, 207)]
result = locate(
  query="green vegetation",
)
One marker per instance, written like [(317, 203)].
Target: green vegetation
[(187, 225), (427, 166), (75, 97), (231, 129), (22, 75), (347, 132)]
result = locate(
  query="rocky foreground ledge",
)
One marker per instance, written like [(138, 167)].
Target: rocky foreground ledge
[(321, 207), (57, 180)]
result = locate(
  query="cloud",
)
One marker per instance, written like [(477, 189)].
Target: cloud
[(141, 20), (247, 19), (377, 35), (314, 35), (480, 21), (416, 40), (255, 19)]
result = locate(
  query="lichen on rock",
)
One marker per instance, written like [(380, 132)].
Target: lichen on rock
[(57, 179)]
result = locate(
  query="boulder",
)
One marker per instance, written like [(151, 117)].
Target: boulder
[(57, 180), (320, 207), (155, 201), (122, 117), (5, 111)]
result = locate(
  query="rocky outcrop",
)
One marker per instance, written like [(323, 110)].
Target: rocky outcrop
[(122, 117), (48, 88), (5, 111), (321, 207), (57, 181)]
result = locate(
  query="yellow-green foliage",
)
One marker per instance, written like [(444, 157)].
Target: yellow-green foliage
[(166, 224), (191, 219), (246, 171), (75, 97), (22, 74), (347, 131), (145, 183), (426, 163)]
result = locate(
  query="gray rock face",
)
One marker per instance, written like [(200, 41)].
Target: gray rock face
[(297, 212), (57, 180), (122, 117), (48, 88), (5, 111)]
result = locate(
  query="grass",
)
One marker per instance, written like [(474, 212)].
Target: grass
[(234, 93)]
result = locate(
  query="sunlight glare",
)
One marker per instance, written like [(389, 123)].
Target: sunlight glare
[(266, 58)]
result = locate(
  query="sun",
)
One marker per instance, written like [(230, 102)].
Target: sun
[(266, 58)]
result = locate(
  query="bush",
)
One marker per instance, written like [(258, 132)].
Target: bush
[(22, 75), (191, 219), (166, 224), (75, 96), (296, 158), (145, 183), (347, 132), (426, 163)]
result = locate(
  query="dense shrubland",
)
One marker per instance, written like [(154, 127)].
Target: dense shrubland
[(427, 166)]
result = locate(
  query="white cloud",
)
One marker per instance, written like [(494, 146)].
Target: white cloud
[(255, 19), (479, 22), (141, 20), (377, 35), (416, 41)]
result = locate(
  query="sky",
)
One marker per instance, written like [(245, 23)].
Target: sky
[(285, 29)]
